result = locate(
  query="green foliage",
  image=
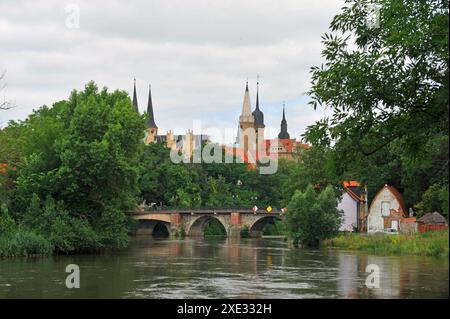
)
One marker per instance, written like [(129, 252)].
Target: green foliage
[(427, 244), (7, 224), (215, 228), (67, 234), (388, 89), (278, 228), (23, 243), (434, 199), (81, 156), (181, 233), (313, 217), (245, 231), (210, 185)]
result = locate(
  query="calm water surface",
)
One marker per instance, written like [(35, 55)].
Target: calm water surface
[(224, 268)]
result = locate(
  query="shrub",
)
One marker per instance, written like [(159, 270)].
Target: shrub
[(24, 243), (313, 217)]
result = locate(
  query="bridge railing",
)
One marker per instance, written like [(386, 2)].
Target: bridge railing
[(184, 209)]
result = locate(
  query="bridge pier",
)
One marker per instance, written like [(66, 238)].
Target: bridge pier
[(235, 231)]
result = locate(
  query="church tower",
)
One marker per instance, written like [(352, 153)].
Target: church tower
[(135, 103), (152, 129), (247, 137), (258, 115), (283, 132)]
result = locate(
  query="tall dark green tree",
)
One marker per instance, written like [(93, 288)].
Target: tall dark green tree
[(387, 85), (85, 156)]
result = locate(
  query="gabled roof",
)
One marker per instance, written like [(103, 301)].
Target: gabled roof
[(353, 195), (432, 218), (395, 193)]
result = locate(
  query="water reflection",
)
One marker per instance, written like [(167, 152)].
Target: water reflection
[(224, 268)]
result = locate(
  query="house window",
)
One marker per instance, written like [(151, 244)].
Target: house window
[(385, 208)]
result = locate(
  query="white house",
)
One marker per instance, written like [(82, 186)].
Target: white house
[(386, 210), (353, 205)]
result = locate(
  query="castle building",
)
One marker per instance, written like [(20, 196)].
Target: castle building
[(185, 144), (251, 137)]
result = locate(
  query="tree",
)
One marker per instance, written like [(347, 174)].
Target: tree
[(313, 217), (85, 156), (384, 83), (388, 89), (434, 199)]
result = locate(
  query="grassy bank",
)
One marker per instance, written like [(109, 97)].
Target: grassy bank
[(427, 244)]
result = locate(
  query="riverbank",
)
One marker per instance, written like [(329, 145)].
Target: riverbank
[(433, 244)]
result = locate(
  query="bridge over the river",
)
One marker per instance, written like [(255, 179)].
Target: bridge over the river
[(193, 222)]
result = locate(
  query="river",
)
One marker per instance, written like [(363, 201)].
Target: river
[(224, 268)]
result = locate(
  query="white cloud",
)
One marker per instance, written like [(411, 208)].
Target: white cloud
[(197, 55)]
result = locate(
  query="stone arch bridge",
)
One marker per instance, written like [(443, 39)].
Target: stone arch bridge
[(193, 222)]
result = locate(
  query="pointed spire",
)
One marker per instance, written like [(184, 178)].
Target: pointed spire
[(283, 132), (257, 114), (135, 103), (257, 93), (151, 118), (246, 115)]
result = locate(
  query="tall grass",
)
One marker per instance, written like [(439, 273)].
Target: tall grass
[(434, 244), (24, 243)]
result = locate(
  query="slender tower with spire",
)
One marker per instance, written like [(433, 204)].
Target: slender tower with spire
[(152, 129), (135, 102), (246, 125), (283, 132), (258, 115)]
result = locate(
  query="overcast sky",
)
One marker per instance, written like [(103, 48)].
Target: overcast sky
[(197, 55)]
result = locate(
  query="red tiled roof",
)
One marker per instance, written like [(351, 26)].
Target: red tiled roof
[(351, 183)]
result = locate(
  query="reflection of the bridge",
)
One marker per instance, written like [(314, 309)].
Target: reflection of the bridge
[(342, 273)]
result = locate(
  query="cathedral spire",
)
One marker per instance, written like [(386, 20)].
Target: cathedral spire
[(135, 103), (246, 115), (257, 94), (257, 113), (151, 118), (283, 132)]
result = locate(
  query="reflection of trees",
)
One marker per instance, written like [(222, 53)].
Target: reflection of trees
[(247, 268)]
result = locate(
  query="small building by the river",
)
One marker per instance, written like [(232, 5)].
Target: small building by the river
[(431, 222), (386, 211), (354, 206)]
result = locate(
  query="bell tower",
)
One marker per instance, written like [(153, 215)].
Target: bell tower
[(247, 138), (152, 129), (258, 115)]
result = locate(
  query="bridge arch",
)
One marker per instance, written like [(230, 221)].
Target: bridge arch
[(153, 227), (197, 227), (257, 227)]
